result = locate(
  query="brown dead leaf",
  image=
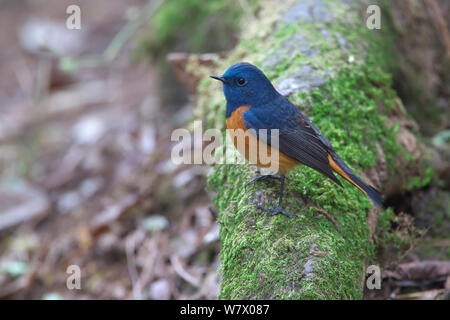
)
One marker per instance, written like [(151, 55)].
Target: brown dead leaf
[(419, 270)]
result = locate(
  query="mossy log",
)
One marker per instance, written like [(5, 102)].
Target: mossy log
[(321, 55)]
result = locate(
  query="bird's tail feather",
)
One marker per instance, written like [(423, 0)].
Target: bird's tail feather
[(338, 165)]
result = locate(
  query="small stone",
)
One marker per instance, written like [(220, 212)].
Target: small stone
[(68, 201), (52, 296), (155, 223), (88, 130), (160, 290), (14, 268), (90, 186)]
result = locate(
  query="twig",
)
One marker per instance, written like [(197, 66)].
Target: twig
[(440, 25), (130, 245), (175, 260), (130, 28), (423, 295), (116, 43), (329, 217)]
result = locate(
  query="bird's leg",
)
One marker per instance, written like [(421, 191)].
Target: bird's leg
[(275, 209), (262, 177)]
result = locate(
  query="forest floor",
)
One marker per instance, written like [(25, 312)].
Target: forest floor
[(85, 169)]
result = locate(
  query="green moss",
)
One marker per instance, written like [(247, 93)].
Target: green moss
[(247, 234), (269, 257), (420, 181), (384, 226), (441, 207), (398, 233), (435, 213)]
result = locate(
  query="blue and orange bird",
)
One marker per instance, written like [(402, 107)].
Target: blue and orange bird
[(254, 103)]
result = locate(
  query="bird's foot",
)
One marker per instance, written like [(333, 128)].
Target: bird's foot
[(263, 177), (275, 210)]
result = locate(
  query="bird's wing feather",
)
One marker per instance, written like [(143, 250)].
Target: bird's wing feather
[(298, 137)]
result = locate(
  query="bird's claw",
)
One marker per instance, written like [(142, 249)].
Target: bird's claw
[(274, 210)]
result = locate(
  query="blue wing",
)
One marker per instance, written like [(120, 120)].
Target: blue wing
[(298, 137)]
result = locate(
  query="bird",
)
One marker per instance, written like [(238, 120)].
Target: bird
[(252, 104)]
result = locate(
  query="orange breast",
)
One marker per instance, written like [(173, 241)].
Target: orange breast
[(255, 151)]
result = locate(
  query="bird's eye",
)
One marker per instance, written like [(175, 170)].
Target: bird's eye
[(241, 81)]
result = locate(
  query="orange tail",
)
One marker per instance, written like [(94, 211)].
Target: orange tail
[(343, 170)]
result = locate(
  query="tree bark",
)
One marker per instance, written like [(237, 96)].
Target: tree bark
[(322, 55)]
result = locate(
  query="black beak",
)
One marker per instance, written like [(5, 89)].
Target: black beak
[(219, 78)]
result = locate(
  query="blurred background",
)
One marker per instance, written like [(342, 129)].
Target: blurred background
[(85, 123)]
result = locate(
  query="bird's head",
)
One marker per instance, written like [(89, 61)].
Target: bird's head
[(246, 85)]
